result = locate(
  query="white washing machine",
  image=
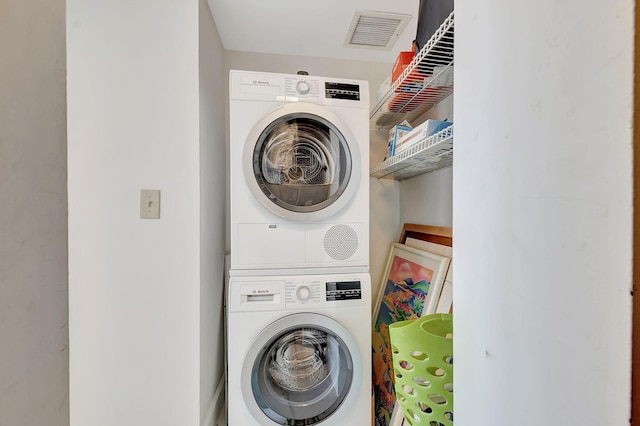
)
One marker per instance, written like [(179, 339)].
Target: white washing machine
[(299, 350), (299, 173)]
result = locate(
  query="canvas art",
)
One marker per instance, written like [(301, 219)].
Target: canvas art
[(411, 277)]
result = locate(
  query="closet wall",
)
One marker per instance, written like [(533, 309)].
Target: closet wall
[(34, 360), (428, 199), (539, 198), (542, 208), (145, 111)]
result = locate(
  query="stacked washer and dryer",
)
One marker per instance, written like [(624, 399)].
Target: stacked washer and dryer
[(299, 292)]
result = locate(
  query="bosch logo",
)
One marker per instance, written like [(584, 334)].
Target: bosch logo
[(260, 291)]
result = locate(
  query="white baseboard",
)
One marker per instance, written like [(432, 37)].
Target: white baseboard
[(216, 405)]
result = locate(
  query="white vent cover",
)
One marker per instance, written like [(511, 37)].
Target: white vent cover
[(377, 30), (341, 242)]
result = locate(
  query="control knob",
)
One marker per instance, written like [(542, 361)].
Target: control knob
[(303, 293), (303, 87)]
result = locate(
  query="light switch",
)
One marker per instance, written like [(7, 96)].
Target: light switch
[(149, 204)]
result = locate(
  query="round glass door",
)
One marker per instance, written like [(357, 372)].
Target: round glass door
[(302, 162), (301, 375)]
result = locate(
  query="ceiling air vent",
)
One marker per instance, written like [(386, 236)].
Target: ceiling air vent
[(377, 30)]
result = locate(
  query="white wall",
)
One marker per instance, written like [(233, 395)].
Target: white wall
[(212, 216), (428, 198), (135, 286), (33, 215), (384, 200), (542, 212)]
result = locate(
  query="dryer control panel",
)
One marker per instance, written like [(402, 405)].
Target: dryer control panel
[(307, 88), (257, 86)]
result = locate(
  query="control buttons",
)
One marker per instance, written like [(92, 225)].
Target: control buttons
[(303, 292), (303, 87)]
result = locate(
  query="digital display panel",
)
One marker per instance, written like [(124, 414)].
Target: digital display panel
[(343, 290), (342, 91)]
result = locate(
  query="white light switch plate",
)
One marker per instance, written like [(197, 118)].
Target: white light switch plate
[(149, 204)]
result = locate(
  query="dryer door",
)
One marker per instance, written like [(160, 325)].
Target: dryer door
[(302, 162), (300, 371)]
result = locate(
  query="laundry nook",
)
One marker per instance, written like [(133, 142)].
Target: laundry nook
[(336, 213)]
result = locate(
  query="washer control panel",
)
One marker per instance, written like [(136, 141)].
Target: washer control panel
[(309, 291), (303, 291)]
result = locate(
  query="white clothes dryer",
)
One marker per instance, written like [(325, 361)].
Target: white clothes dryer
[(299, 174), (299, 350)]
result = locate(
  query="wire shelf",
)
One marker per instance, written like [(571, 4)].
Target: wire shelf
[(426, 81), (431, 153)]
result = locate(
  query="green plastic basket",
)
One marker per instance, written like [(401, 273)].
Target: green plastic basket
[(423, 369)]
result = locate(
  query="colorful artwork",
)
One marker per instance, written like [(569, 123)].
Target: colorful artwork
[(404, 297)]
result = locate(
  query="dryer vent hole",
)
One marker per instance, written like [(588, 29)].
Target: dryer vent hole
[(340, 242)]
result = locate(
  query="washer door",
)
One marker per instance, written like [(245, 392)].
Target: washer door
[(302, 162), (300, 370)]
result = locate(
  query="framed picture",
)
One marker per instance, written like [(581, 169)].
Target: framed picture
[(439, 235), (411, 276), (434, 239)]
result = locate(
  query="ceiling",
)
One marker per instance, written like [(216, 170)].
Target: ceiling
[(315, 28)]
